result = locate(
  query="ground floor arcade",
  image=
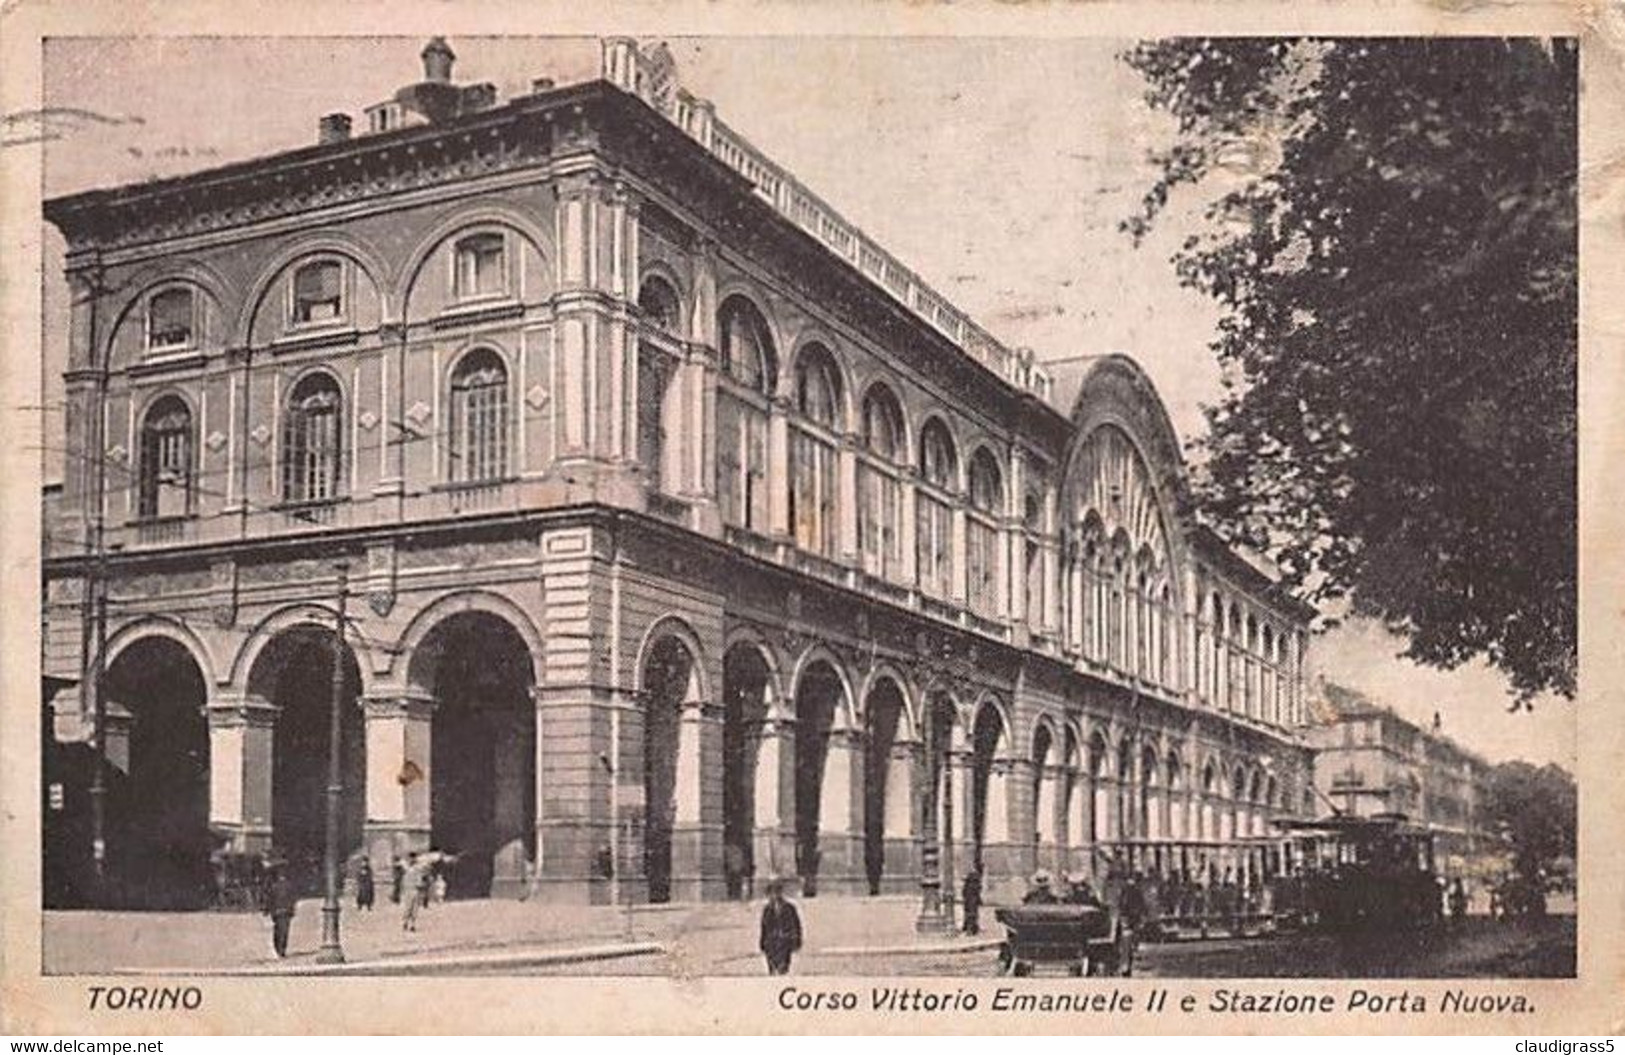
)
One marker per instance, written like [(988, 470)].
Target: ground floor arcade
[(589, 730)]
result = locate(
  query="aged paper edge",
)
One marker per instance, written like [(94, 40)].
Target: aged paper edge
[(1592, 1003)]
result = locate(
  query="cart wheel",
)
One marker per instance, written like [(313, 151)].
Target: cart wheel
[(1023, 970), (1080, 969)]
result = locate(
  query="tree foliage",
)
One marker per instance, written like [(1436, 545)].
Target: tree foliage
[(1537, 810), (1392, 238)]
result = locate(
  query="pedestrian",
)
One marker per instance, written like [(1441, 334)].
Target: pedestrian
[(972, 895), (1458, 901), (1082, 892), (1038, 890), (397, 877), (365, 891), (280, 903), (781, 929), (414, 876)]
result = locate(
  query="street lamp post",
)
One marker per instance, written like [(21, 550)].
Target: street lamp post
[(332, 950), (935, 912)]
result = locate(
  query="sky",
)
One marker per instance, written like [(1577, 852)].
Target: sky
[(998, 169)]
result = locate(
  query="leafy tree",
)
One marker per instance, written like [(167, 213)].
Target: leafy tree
[(1536, 809), (1392, 237)]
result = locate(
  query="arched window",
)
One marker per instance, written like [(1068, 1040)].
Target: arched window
[(312, 440), (880, 493), (983, 566), (658, 302), (1233, 674), (813, 442), (749, 371), (166, 460), (479, 418), (318, 293), (934, 519)]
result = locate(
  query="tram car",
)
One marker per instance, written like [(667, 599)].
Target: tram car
[(1348, 873)]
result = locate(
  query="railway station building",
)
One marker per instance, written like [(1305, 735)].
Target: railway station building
[(691, 538)]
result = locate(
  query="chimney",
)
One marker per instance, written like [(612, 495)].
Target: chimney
[(540, 85), (437, 59), (333, 128)]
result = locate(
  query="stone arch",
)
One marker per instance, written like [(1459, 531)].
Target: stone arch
[(157, 833), (819, 653), (939, 420), (674, 626), (808, 342), (659, 271), (745, 634), (459, 218), (886, 670), (471, 600), (305, 614), (885, 388), (360, 252), (888, 776), (670, 683), (194, 274), (737, 288), (476, 655), (289, 664), (173, 628), (824, 761), (752, 708)]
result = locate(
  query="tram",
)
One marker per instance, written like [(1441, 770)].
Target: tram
[(1346, 873)]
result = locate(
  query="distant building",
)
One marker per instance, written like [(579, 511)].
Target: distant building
[(692, 537), (1369, 760)]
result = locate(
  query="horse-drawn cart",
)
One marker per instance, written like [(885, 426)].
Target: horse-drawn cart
[(1084, 939)]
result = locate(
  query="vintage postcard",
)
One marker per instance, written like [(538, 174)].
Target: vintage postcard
[(933, 518)]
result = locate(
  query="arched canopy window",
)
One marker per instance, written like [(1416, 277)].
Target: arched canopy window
[(318, 292), (748, 357), (934, 516), (312, 440), (983, 564), (813, 516), (658, 302), (170, 319), (749, 370), (166, 460), (880, 492), (478, 448)]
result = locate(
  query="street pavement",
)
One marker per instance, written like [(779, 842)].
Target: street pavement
[(710, 938), (719, 939)]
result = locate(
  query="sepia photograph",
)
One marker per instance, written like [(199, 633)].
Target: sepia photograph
[(704, 506)]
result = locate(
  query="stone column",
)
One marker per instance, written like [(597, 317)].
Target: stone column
[(840, 814), (1077, 813), (696, 846), (241, 741), (902, 868), (399, 731), (957, 592), (775, 797), (778, 469), (908, 526), (998, 854), (846, 490), (1047, 819)]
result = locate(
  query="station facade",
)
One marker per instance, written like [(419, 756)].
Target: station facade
[(690, 538)]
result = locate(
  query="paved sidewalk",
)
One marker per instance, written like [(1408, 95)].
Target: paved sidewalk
[(702, 938)]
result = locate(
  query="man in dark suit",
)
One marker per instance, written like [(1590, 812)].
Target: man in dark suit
[(781, 930), (280, 902)]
